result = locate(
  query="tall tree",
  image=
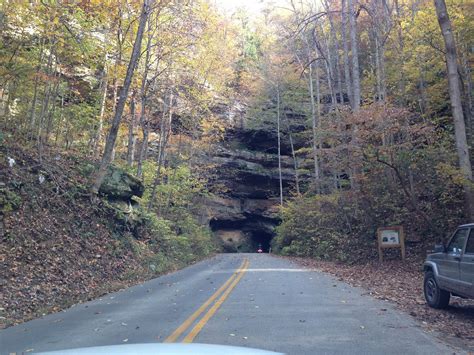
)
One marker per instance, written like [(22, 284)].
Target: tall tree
[(456, 102), (131, 133), (354, 53), (98, 178), (345, 53), (279, 142)]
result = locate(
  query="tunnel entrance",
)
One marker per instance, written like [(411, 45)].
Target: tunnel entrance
[(261, 239), (244, 236)]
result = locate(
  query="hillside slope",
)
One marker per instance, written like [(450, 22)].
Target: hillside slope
[(57, 247)]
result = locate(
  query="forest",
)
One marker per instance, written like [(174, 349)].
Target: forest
[(371, 102)]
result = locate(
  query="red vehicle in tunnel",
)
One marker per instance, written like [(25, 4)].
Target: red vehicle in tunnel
[(260, 250)]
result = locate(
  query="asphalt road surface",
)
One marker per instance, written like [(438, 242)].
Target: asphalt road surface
[(250, 300)]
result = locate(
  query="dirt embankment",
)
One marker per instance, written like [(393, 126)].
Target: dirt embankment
[(57, 247)]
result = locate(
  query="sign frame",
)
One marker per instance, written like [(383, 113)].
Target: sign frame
[(401, 240)]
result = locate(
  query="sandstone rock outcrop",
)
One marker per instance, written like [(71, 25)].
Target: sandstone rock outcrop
[(244, 212)]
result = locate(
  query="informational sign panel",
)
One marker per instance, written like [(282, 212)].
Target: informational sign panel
[(391, 237)]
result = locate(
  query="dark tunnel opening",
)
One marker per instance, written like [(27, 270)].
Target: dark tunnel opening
[(261, 239), (245, 235)]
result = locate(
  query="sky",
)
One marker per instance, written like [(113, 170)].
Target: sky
[(231, 5), (254, 7)]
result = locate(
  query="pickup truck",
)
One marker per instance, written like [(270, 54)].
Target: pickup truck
[(449, 269)]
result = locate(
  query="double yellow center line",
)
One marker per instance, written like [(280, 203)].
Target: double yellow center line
[(223, 292)]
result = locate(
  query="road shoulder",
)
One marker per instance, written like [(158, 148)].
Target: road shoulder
[(400, 283)]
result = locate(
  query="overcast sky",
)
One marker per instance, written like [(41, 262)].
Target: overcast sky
[(231, 5), (254, 7)]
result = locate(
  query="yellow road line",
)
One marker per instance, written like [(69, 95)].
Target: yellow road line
[(198, 327), (188, 322)]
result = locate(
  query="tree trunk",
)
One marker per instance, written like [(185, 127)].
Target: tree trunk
[(379, 70), (314, 126), (315, 113), (173, 177), (401, 60), (466, 70), (118, 58), (60, 122), (131, 133), (6, 104), (35, 90), (279, 145), (328, 63), (165, 128), (143, 102), (46, 98), (51, 113), (345, 47), (103, 102), (382, 30), (318, 126), (112, 136), (143, 148), (325, 54), (423, 100), (456, 102), (295, 162), (334, 48), (355, 54)]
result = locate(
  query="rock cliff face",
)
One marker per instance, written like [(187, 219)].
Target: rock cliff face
[(244, 212)]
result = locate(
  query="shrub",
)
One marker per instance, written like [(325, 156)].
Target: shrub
[(308, 229)]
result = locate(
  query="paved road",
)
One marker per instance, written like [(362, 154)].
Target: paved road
[(246, 300)]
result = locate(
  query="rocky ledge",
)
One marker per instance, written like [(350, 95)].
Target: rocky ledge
[(244, 212)]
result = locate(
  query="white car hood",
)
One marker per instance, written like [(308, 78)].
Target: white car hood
[(162, 349)]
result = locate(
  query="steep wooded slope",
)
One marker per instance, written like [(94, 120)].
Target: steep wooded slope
[(57, 247)]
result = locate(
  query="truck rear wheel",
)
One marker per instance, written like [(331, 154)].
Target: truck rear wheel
[(435, 297)]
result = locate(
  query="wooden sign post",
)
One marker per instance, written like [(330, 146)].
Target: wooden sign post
[(391, 237)]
